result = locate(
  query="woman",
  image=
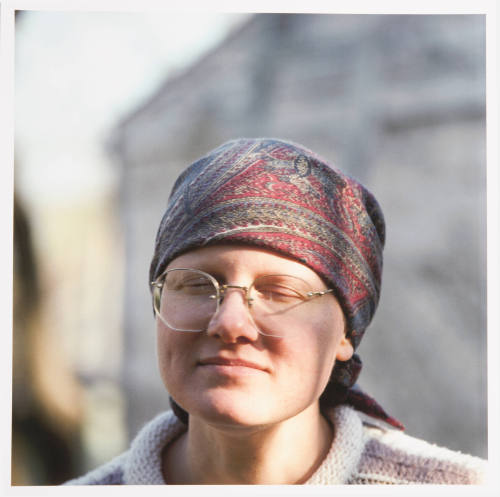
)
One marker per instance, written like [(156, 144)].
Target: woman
[(266, 273)]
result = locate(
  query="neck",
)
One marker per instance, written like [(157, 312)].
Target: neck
[(287, 452)]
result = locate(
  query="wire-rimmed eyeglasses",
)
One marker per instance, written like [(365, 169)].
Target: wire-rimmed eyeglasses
[(186, 300)]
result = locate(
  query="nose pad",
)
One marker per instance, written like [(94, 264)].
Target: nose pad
[(232, 322)]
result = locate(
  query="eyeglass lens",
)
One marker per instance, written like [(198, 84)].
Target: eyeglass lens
[(189, 300)]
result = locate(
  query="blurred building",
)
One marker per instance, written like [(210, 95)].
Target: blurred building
[(399, 103)]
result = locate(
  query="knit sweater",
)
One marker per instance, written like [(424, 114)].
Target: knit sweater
[(361, 453)]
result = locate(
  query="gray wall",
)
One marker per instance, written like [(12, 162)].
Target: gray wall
[(399, 103)]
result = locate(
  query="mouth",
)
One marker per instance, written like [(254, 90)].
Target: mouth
[(231, 363)]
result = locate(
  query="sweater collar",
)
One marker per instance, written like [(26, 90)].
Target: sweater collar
[(143, 465)]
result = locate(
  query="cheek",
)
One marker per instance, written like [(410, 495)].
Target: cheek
[(316, 349), (322, 359), (326, 358), (162, 352), (174, 355), (305, 363)]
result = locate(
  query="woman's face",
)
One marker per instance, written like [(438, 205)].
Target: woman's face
[(233, 375)]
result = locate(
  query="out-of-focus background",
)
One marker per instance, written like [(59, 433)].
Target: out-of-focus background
[(111, 107)]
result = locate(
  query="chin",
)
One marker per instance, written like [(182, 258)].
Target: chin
[(229, 410)]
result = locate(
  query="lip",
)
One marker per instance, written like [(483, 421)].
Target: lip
[(228, 361)]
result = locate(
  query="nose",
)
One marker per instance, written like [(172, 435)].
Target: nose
[(232, 323)]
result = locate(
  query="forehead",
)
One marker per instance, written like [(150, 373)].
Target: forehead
[(235, 260)]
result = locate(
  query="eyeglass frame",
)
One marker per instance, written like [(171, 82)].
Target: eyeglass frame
[(157, 287)]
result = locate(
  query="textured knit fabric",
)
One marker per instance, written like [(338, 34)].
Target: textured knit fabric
[(361, 453)]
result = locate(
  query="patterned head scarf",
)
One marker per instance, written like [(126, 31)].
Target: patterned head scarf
[(281, 196)]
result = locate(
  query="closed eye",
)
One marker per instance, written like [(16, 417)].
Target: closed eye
[(278, 293), (191, 286)]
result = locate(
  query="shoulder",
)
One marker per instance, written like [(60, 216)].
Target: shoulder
[(392, 457), (141, 464)]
